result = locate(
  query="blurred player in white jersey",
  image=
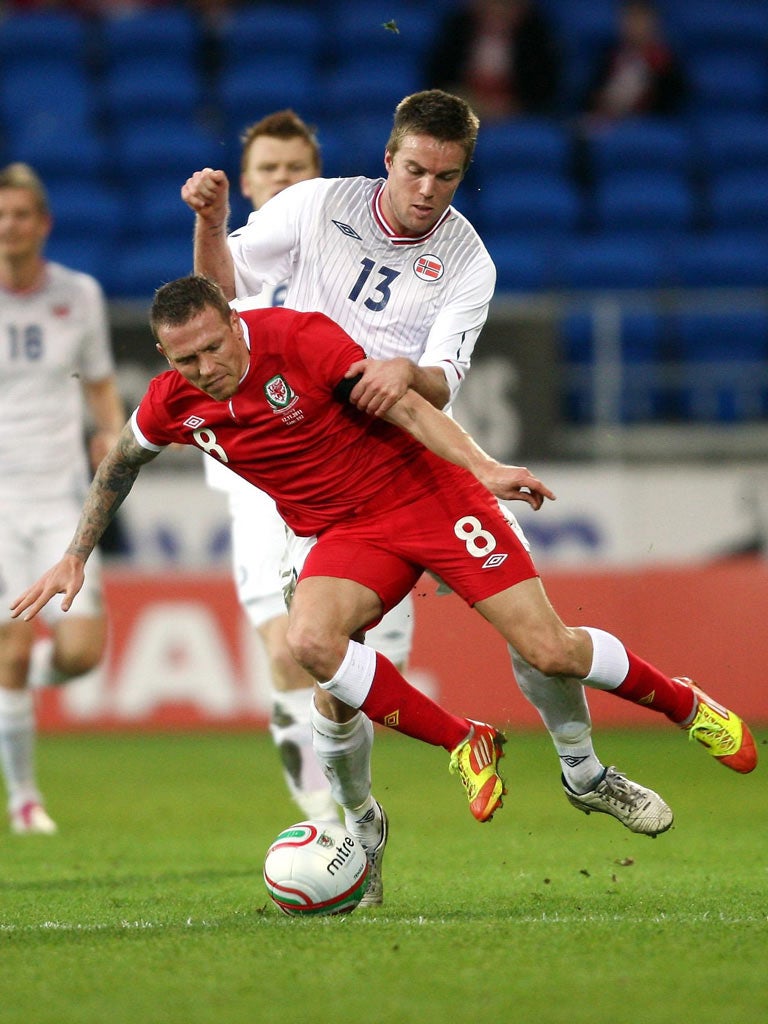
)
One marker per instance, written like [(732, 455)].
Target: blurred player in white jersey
[(54, 352), (408, 277), (279, 151)]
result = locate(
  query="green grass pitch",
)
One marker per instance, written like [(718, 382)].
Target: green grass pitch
[(149, 907)]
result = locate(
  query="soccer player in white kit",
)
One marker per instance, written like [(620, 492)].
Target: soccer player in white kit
[(278, 151), (407, 276), (54, 351)]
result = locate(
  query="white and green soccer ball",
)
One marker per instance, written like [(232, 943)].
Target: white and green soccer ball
[(316, 868)]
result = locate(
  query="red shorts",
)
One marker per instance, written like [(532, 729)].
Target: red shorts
[(459, 534)]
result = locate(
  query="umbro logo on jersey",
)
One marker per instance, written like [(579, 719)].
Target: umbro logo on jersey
[(429, 267), (194, 422), (345, 229), (492, 561)]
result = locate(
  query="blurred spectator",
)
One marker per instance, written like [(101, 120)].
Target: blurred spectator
[(500, 55), (638, 73)]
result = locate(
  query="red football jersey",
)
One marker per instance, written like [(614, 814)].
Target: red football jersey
[(320, 458)]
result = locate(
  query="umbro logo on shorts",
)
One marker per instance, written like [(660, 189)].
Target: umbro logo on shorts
[(493, 560)]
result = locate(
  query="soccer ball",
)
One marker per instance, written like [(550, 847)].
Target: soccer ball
[(315, 868)]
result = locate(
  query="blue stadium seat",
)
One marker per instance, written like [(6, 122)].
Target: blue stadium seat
[(271, 30), (711, 25), (40, 35), (247, 93), (142, 267), (86, 210), (62, 156), (522, 265), (642, 143), (369, 29), (654, 201), (167, 149), (93, 254), (734, 141), (522, 144), (359, 143), (728, 81), (610, 261), (145, 88), (361, 86), (723, 357), (142, 35), (157, 211), (541, 204), (55, 96), (739, 199), (722, 258)]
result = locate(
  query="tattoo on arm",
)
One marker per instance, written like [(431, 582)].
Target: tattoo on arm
[(111, 485)]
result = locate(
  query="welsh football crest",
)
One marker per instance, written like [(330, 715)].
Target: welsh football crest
[(279, 392)]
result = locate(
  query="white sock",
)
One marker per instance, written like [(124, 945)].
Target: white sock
[(353, 679), (610, 662), (344, 751), (291, 730), (17, 746), (563, 708), (41, 668)]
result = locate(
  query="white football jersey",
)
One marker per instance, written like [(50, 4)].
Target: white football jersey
[(426, 299), (50, 341)]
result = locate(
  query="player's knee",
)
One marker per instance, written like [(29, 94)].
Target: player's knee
[(554, 653), (310, 647), (73, 663)]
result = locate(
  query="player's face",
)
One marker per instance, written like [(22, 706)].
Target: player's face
[(273, 164), (207, 351), (24, 227), (423, 176)]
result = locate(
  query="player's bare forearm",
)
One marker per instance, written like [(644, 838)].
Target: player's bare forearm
[(110, 486), (206, 192), (446, 438), (113, 481), (212, 256), (384, 381)]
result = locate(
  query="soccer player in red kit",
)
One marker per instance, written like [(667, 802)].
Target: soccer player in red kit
[(267, 392)]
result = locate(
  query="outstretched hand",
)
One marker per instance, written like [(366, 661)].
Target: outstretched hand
[(516, 483), (66, 577)]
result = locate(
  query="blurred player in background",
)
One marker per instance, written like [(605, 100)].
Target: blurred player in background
[(54, 352), (399, 269), (279, 151)]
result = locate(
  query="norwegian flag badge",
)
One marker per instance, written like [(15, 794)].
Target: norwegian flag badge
[(429, 267)]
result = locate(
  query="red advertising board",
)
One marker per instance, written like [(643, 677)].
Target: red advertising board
[(181, 654)]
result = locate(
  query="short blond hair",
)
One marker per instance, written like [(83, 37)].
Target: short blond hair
[(19, 175)]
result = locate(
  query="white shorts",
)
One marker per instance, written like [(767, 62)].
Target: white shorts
[(33, 538), (258, 546)]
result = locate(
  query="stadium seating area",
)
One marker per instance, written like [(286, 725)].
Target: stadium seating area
[(116, 112)]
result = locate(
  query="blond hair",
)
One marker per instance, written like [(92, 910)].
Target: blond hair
[(19, 175)]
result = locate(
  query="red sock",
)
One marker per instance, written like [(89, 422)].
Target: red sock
[(648, 686), (393, 702)]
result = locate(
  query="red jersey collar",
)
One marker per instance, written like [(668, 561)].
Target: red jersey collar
[(385, 228)]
